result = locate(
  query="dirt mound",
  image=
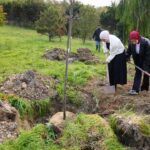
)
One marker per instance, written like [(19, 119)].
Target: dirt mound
[(59, 54), (131, 130), (9, 122), (30, 85), (85, 55)]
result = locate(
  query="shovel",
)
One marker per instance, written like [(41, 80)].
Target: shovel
[(143, 71), (108, 89)]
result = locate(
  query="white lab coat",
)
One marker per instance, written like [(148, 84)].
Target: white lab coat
[(116, 47)]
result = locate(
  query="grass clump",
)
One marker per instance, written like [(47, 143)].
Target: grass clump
[(41, 107), (73, 96), (23, 106), (35, 139), (26, 108), (85, 129)]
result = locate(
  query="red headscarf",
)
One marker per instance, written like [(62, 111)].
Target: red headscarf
[(134, 35)]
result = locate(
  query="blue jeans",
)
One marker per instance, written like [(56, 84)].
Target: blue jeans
[(98, 46)]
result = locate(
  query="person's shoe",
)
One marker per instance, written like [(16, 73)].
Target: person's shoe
[(133, 92)]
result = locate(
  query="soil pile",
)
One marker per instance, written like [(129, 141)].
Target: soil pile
[(30, 85), (85, 55), (59, 54)]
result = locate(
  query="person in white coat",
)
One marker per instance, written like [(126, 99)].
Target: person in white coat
[(116, 60)]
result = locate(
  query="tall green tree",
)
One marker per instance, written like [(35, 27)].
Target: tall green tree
[(108, 18), (134, 15), (51, 22), (87, 22), (2, 15)]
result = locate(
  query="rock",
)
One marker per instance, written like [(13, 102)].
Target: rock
[(9, 122), (58, 121), (7, 113), (28, 77), (24, 85)]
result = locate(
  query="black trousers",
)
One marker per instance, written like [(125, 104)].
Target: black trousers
[(137, 81)]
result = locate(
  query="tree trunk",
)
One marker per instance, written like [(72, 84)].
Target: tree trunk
[(137, 24), (49, 36), (60, 38), (84, 38)]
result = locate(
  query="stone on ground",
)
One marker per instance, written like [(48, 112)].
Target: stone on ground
[(58, 121), (9, 122)]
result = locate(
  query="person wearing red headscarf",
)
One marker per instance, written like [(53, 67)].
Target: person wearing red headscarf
[(139, 48)]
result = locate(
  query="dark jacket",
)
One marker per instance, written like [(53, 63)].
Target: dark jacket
[(143, 58), (96, 35)]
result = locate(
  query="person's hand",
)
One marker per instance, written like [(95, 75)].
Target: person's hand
[(108, 60)]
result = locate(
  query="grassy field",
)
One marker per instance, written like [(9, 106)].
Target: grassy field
[(21, 50)]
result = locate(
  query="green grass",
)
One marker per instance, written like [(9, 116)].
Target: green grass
[(78, 133), (39, 138), (21, 49)]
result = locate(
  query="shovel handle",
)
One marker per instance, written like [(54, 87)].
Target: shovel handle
[(107, 70), (145, 72)]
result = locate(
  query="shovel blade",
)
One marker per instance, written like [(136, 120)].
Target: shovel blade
[(109, 89)]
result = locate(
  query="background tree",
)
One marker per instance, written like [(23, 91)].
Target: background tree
[(134, 15), (2, 15), (88, 20), (23, 12), (51, 21), (108, 20)]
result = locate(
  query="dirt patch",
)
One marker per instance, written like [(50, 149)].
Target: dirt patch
[(83, 54), (95, 100), (30, 85), (59, 54), (9, 122)]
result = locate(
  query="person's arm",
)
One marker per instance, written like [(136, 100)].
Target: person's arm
[(94, 35), (113, 53)]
